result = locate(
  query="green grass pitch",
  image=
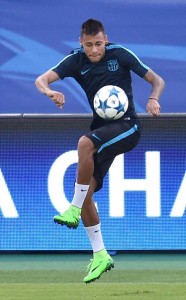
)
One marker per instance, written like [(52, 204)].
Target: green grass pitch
[(55, 277)]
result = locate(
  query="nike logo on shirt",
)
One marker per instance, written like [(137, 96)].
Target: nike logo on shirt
[(94, 135), (85, 71)]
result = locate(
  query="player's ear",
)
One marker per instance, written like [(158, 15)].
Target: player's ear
[(106, 39), (80, 41)]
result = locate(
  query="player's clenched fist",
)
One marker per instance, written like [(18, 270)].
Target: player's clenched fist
[(57, 97)]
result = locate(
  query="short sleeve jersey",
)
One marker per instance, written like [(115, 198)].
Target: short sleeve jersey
[(113, 69)]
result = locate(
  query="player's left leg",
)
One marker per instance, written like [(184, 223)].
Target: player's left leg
[(101, 261), (125, 141)]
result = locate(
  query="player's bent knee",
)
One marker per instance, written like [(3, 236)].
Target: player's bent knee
[(85, 145)]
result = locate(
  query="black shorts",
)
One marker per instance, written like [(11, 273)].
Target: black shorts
[(114, 138)]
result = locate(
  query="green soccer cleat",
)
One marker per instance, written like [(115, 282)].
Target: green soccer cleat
[(71, 217), (98, 266)]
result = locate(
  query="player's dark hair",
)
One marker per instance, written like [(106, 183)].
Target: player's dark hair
[(92, 27)]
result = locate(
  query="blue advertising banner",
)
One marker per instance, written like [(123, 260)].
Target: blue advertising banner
[(36, 35), (142, 204)]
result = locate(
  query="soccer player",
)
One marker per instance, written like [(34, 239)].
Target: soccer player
[(95, 64)]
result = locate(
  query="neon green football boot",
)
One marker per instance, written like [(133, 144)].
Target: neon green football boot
[(101, 262), (71, 217)]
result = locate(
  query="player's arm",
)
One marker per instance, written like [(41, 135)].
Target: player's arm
[(43, 85), (153, 106)]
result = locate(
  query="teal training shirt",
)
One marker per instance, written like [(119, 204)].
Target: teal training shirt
[(113, 69)]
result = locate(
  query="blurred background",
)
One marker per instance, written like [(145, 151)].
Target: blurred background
[(38, 153), (36, 35)]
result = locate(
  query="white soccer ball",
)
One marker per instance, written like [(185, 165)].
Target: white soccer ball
[(111, 102)]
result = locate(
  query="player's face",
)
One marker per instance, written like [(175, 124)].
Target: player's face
[(94, 46)]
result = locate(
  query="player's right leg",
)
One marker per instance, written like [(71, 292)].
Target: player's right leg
[(71, 217)]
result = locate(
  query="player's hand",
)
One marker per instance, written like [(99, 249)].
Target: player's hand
[(153, 107), (57, 97)]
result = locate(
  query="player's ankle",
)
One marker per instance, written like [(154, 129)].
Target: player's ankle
[(100, 253)]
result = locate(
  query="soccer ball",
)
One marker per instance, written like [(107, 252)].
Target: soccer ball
[(111, 102)]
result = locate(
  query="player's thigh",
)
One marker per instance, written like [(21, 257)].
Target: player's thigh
[(115, 138)]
